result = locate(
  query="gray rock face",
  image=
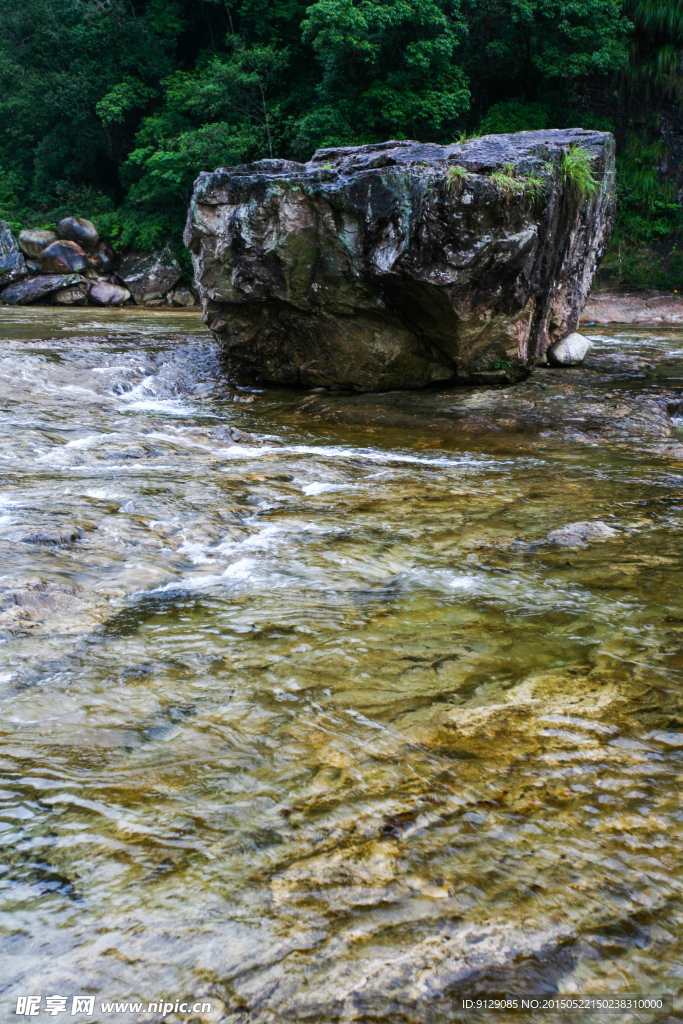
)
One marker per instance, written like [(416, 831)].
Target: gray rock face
[(570, 351), (150, 275), (79, 230), (33, 241), (21, 293), (401, 264), (12, 263)]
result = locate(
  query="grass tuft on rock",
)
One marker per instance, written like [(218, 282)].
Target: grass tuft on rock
[(454, 174), (528, 185), (577, 174)]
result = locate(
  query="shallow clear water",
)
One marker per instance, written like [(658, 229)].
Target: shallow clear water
[(310, 720)]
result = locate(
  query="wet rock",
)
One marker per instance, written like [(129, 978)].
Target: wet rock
[(157, 302), (576, 535), (32, 267), (103, 293), (103, 258), (12, 264), (181, 297), (33, 241), (79, 230), (570, 351), (59, 536), (12, 267), (148, 276), (33, 288), (76, 295), (400, 264), (62, 258)]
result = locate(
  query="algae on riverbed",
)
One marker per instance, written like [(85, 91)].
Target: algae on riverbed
[(336, 732)]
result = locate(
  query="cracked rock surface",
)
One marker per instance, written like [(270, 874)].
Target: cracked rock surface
[(402, 264)]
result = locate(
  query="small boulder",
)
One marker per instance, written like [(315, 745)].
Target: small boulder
[(32, 242), (575, 535), (103, 293), (62, 258), (149, 276), (80, 230), (181, 297), (570, 351), (103, 258), (76, 295), (12, 267), (12, 263), (33, 288)]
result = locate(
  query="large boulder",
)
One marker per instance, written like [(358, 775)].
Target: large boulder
[(34, 240), (79, 230), (103, 258), (402, 264), (33, 288), (62, 258), (148, 276), (12, 263)]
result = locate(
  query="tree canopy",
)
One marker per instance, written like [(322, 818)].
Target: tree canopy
[(112, 107)]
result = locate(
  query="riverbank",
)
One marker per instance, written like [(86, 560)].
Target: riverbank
[(659, 308)]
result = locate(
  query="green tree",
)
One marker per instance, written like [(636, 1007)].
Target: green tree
[(389, 69)]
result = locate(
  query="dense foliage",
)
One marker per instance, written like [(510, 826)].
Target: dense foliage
[(110, 108)]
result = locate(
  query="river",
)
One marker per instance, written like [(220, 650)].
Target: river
[(303, 715)]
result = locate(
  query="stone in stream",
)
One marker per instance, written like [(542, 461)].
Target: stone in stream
[(401, 264), (149, 276), (76, 295), (34, 240), (575, 535), (570, 351), (103, 258), (106, 294), (181, 297), (12, 263), (79, 230), (62, 258), (33, 288)]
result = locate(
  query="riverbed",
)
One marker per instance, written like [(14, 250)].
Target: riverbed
[(302, 712)]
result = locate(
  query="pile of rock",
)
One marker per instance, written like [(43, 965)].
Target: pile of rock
[(75, 267)]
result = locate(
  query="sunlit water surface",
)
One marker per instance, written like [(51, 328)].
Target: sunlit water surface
[(311, 721)]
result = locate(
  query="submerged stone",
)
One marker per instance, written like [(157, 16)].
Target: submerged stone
[(401, 264), (576, 535)]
